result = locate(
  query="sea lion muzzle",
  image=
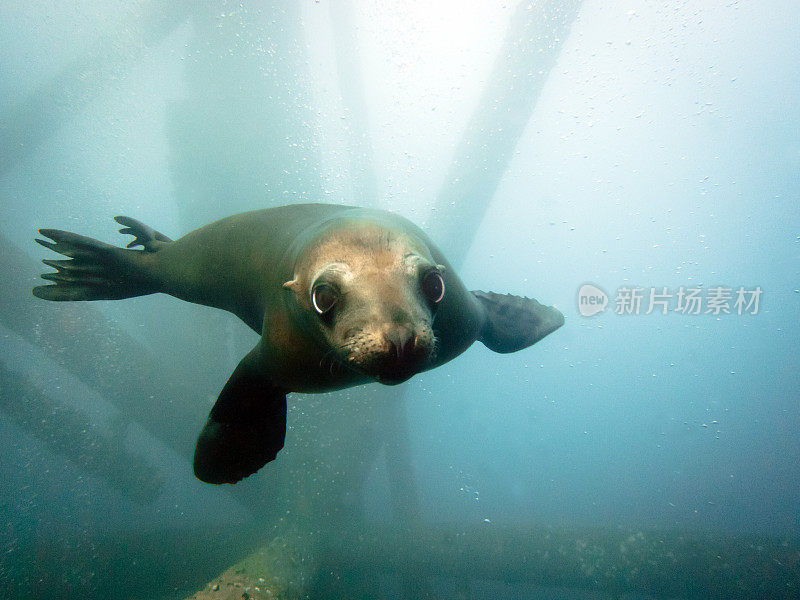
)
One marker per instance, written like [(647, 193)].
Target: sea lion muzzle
[(391, 354), (404, 356)]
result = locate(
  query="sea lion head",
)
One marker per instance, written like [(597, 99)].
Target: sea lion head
[(369, 295)]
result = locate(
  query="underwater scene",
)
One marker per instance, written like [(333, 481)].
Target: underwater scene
[(363, 299)]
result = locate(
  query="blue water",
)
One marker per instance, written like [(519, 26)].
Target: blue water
[(661, 149)]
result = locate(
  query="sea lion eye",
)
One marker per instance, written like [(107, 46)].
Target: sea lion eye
[(432, 285), (323, 297)]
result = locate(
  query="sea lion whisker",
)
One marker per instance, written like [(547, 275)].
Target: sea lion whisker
[(332, 359), (434, 349)]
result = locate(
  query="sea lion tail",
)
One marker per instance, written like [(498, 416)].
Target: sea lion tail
[(512, 323), (99, 271)]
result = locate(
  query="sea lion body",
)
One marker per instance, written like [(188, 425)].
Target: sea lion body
[(340, 295), (206, 267)]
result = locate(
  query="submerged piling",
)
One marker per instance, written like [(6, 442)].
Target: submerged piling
[(362, 560)]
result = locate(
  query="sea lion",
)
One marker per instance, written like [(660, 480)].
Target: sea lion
[(340, 295)]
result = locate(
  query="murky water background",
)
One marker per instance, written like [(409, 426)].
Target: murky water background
[(648, 146)]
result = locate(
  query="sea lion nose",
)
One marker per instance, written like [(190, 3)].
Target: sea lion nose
[(401, 342)]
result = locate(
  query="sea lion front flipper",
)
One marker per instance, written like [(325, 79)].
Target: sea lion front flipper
[(512, 322), (245, 429)]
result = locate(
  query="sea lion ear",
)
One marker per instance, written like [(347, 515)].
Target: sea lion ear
[(512, 323), (293, 285)]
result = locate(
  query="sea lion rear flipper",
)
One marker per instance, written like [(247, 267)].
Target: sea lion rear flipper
[(144, 235), (99, 271), (245, 429), (512, 322)]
